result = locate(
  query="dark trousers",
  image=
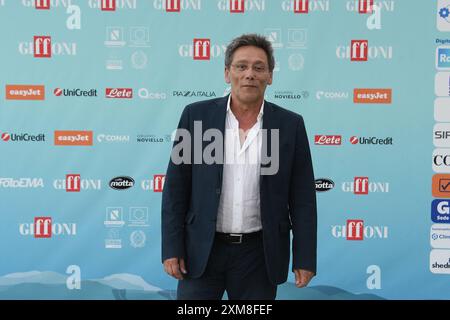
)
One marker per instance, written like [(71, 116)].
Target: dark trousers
[(238, 269)]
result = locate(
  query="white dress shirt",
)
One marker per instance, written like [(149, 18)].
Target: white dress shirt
[(239, 205)]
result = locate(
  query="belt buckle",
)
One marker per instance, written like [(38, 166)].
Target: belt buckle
[(236, 235)]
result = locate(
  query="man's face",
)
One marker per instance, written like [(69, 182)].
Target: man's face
[(248, 74)]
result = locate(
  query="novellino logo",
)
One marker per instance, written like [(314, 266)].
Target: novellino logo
[(305, 6), (21, 183), (371, 141), (113, 138), (356, 230), (201, 49), (359, 50), (363, 6), (22, 137), (44, 227), (362, 186), (177, 5), (75, 92), (43, 47), (112, 5), (121, 183), (74, 183), (192, 93), (290, 95), (440, 211), (241, 6), (332, 95), (324, 184), (443, 58), (153, 138)]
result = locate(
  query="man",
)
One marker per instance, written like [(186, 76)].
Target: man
[(226, 223)]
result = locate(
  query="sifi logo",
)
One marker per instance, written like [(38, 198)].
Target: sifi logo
[(328, 140), (73, 183), (108, 5), (202, 49), (42, 4), (359, 50), (42, 47)]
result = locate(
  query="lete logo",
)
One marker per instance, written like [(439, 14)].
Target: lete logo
[(119, 93)]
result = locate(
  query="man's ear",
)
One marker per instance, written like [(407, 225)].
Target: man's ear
[(227, 75)]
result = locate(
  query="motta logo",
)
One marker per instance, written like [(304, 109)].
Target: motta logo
[(42, 4), (355, 230), (371, 141), (108, 5), (362, 186), (305, 6), (73, 138), (58, 92), (119, 93), (121, 183), (22, 137), (323, 184), (177, 5), (42, 46), (360, 51), (156, 184), (44, 227), (328, 140), (202, 49), (25, 92), (383, 96)]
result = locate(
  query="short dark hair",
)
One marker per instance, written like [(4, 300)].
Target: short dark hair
[(252, 39)]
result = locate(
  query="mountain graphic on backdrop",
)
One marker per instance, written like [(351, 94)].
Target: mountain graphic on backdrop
[(49, 285)]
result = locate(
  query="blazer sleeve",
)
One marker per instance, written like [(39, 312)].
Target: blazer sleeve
[(302, 204), (176, 199)]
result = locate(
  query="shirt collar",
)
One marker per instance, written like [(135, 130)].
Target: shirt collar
[(261, 110)]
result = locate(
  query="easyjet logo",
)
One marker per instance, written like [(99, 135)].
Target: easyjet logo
[(372, 96), (25, 92), (73, 138)]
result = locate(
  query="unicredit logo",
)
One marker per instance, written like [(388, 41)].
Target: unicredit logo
[(325, 140), (119, 93), (22, 137), (371, 140), (75, 92)]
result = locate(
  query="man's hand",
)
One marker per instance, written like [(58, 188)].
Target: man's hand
[(175, 267), (302, 277)]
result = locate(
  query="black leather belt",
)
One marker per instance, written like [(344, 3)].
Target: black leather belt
[(237, 238)]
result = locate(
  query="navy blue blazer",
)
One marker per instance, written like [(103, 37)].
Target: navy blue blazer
[(288, 200)]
